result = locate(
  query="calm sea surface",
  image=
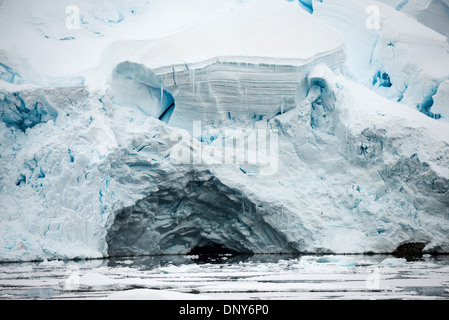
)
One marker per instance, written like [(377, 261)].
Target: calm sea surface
[(245, 277)]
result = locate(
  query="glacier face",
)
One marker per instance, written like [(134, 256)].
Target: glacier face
[(91, 167), (388, 51)]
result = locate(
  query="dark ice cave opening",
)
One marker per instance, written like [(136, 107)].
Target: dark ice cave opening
[(193, 213), (211, 249), (410, 251)]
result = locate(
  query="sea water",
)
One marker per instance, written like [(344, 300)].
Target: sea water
[(230, 277)]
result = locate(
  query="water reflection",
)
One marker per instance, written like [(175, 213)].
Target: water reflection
[(153, 262), (427, 277)]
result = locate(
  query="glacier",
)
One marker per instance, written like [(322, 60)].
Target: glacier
[(144, 145)]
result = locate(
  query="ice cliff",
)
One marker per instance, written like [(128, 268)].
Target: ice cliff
[(238, 127)]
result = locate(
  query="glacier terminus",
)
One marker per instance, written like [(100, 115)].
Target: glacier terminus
[(144, 128)]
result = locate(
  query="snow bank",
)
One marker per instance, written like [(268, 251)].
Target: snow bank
[(393, 262)]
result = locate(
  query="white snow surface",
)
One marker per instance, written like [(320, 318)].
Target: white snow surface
[(87, 169), (402, 60)]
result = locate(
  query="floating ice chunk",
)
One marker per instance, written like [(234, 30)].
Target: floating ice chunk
[(95, 280), (341, 261), (347, 262), (52, 263), (393, 262), (327, 259)]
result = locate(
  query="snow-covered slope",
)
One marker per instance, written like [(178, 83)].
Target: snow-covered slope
[(290, 155), (432, 13), (402, 60), (370, 176)]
